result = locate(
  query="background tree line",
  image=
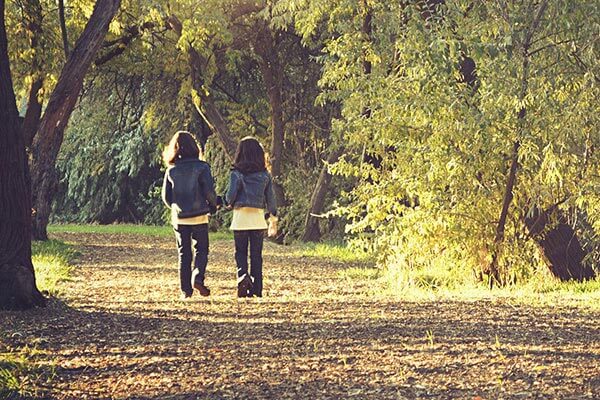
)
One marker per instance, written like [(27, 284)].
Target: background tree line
[(463, 134)]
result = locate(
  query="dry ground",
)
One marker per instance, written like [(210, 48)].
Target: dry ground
[(122, 333)]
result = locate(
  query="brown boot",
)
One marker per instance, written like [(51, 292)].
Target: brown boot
[(203, 290)]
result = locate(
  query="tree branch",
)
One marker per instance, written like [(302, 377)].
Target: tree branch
[(119, 45), (63, 27)]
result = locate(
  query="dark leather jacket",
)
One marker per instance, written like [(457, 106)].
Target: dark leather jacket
[(189, 186), (251, 190)]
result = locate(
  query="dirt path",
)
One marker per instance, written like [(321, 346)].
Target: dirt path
[(122, 333)]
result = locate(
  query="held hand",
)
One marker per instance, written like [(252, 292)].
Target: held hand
[(272, 231)]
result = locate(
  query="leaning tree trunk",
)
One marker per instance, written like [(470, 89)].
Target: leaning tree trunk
[(49, 138), (18, 289), (312, 232), (564, 254)]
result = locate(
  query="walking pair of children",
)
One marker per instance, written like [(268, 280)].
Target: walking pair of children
[(188, 190)]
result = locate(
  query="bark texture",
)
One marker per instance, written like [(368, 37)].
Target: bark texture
[(31, 121), (312, 232), (560, 245), (17, 278), (49, 138)]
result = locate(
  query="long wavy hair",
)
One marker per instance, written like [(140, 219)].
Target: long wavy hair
[(182, 145), (249, 156)]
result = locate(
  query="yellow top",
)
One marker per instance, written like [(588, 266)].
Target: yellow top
[(248, 218), (200, 219)]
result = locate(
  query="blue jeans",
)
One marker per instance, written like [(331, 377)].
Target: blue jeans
[(184, 234), (255, 238)]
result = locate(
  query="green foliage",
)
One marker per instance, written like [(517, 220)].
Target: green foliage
[(52, 262), (335, 251), (294, 213), (443, 146), (444, 282), (111, 167), (363, 274), (109, 163), (21, 374), (427, 155)]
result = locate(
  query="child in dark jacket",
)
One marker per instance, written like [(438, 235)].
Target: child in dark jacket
[(188, 190), (250, 191)]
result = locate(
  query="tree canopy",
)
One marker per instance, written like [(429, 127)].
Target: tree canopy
[(459, 134)]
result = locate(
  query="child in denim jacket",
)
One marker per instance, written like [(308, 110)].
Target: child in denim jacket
[(188, 190), (250, 191)]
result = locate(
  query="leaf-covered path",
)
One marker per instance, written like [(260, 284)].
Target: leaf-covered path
[(122, 333)]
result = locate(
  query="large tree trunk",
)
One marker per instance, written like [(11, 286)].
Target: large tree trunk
[(312, 232), (18, 289), (560, 245), (47, 142), (272, 74)]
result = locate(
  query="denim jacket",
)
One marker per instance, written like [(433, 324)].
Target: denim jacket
[(189, 188), (251, 190)]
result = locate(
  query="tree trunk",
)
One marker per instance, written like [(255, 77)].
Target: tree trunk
[(492, 269), (560, 245), (312, 232), (213, 118), (63, 27), (272, 74), (18, 289), (31, 121), (62, 102)]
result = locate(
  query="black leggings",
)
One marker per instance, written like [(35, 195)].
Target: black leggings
[(255, 238)]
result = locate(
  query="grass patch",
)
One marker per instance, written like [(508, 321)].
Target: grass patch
[(360, 273), (22, 375), (441, 282), (334, 251), (129, 229), (51, 260), (545, 289)]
